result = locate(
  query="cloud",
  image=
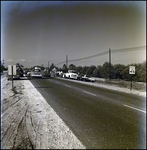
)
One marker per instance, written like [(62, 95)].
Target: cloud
[(22, 60), (10, 60), (18, 60)]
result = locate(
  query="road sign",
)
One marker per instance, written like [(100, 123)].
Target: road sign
[(131, 69), (10, 69)]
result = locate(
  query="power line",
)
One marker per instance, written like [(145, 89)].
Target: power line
[(129, 49), (89, 56), (106, 52), (61, 63), (100, 54)]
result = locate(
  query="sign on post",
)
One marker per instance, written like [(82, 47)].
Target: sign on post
[(131, 69), (10, 69)]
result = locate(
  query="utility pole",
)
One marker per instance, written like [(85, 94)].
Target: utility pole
[(12, 76), (48, 66), (67, 61), (109, 63)]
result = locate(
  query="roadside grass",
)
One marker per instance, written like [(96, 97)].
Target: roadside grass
[(140, 86)]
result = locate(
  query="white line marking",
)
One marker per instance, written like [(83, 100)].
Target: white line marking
[(89, 93), (67, 85), (135, 108), (56, 81)]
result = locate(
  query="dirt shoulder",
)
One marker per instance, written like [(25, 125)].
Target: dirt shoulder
[(28, 122)]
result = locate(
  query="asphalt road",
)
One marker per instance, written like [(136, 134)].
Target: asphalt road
[(100, 118)]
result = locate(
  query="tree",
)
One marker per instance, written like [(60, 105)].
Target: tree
[(72, 67), (79, 69), (84, 70), (90, 70), (106, 70), (52, 66), (96, 72), (142, 71), (118, 68), (19, 69), (100, 68), (2, 66), (64, 68)]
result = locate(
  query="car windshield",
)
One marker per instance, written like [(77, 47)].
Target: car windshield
[(37, 70)]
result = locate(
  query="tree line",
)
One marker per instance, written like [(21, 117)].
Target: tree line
[(2, 66), (117, 71)]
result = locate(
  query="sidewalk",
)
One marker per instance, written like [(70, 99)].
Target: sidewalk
[(28, 121)]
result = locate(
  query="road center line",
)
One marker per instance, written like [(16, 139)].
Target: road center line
[(89, 93), (135, 108), (67, 85)]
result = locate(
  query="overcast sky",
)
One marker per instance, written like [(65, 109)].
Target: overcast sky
[(33, 33)]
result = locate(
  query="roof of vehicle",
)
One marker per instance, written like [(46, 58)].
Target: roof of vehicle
[(37, 68)]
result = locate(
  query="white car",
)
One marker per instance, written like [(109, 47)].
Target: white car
[(71, 74)]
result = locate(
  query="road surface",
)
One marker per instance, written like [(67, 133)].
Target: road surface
[(99, 117)]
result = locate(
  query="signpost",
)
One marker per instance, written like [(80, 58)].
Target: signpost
[(12, 71), (131, 71)]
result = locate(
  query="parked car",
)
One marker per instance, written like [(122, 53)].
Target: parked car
[(59, 74), (87, 78), (27, 73), (46, 74), (71, 74), (79, 77)]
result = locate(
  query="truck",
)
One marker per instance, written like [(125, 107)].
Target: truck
[(37, 73)]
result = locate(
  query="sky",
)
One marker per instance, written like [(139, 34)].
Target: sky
[(37, 32)]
